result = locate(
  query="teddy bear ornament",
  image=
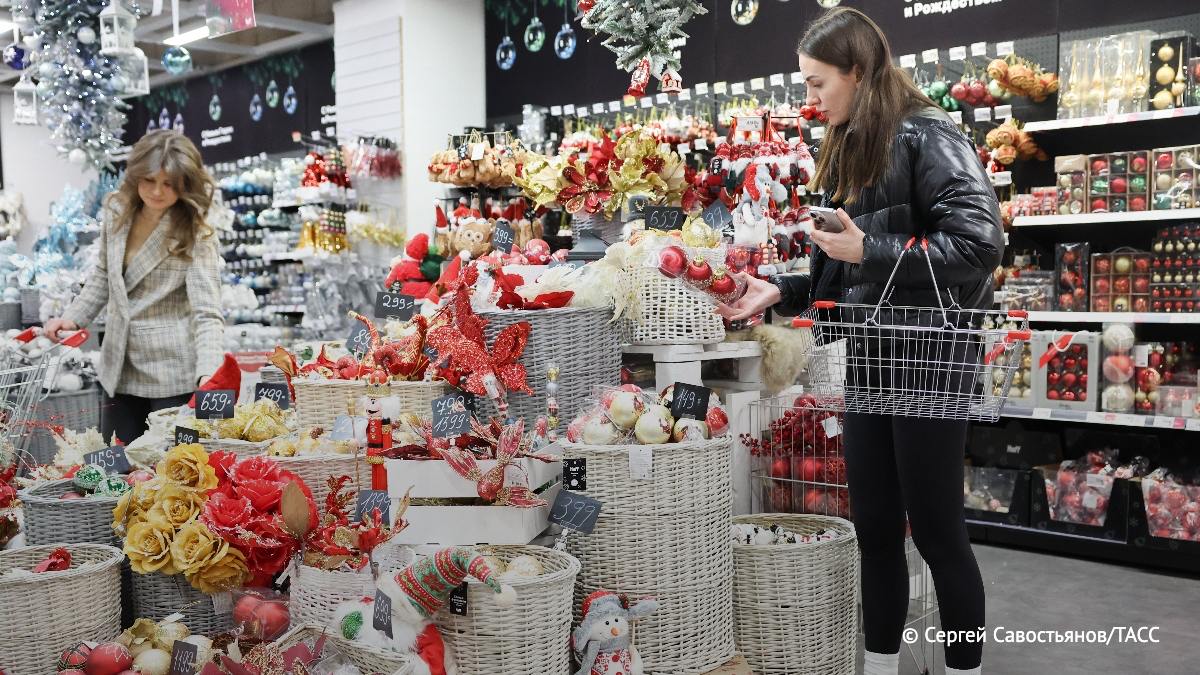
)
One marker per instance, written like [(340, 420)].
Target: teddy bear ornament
[(604, 641)]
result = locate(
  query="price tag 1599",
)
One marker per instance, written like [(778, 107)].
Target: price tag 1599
[(112, 460), (275, 391), (215, 404), (664, 218)]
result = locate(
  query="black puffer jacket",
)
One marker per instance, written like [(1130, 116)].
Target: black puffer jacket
[(934, 187)]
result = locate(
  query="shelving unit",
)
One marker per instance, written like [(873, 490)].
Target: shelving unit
[(1114, 317), (1105, 218), (1105, 120), (1113, 419)]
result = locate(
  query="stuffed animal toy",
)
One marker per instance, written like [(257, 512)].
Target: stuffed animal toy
[(414, 272), (752, 219), (473, 236), (605, 638), (417, 593), (441, 229)]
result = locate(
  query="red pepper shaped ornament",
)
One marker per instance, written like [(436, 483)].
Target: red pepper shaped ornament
[(639, 79)]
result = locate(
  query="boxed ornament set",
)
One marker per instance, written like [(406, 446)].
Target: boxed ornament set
[(1175, 269), (1121, 281), (1119, 182)]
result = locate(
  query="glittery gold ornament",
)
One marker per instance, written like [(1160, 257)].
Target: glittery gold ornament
[(1166, 52), (697, 233), (1163, 99), (1164, 74)]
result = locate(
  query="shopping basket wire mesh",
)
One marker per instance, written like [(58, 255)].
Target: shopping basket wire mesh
[(21, 390), (943, 362)]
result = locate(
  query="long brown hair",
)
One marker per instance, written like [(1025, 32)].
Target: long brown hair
[(172, 152), (856, 154)]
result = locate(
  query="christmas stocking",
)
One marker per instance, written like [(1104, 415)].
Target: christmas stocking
[(228, 376)]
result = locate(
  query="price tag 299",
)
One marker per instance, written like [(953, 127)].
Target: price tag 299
[(664, 218), (112, 460), (184, 435), (503, 237), (369, 500), (450, 416), (690, 400), (575, 512), (215, 404), (274, 391), (394, 305)]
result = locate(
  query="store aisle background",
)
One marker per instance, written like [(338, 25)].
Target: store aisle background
[(1035, 591)]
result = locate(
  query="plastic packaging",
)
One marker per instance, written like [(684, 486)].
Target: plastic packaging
[(629, 415), (261, 614), (703, 272), (1070, 265)]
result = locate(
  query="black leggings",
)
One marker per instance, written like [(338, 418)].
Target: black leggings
[(125, 415), (899, 465)]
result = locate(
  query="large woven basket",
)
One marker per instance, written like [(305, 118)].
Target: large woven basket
[(319, 402), (797, 594), (50, 520), (45, 613), (666, 538), (368, 659), (530, 636), (74, 410), (663, 312), (583, 342), (238, 447), (316, 593), (158, 595), (315, 471)]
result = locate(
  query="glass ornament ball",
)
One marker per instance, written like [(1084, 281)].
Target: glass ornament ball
[(272, 95), (214, 108), (164, 119), (45, 88), (86, 35), (118, 83), (16, 57), (829, 3), (151, 126), (256, 108), (535, 35), (506, 53), (176, 60), (48, 68), (743, 11), (177, 124), (77, 156), (290, 101), (565, 42)]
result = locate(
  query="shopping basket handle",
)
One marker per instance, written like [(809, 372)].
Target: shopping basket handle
[(73, 340), (1011, 337)]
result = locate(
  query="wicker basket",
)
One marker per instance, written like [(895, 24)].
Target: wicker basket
[(74, 410), (31, 306), (50, 520), (663, 312), (316, 593), (315, 471), (368, 659), (319, 402), (583, 342), (797, 594), (158, 595), (46, 613), (10, 315), (242, 449), (667, 538), (532, 635)]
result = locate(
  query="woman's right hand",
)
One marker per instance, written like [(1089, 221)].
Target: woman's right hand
[(56, 325), (758, 297)]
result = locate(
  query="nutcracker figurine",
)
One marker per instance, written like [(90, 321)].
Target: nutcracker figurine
[(379, 434)]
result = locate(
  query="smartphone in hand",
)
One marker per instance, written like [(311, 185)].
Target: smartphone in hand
[(825, 219)]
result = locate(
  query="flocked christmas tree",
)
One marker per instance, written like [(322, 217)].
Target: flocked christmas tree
[(78, 87), (646, 36)]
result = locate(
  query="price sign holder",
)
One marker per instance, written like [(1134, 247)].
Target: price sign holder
[(112, 460), (664, 218), (636, 207), (458, 600), (504, 236), (394, 305), (450, 416), (381, 617), (717, 215), (215, 404), (573, 264), (575, 473), (359, 341), (369, 500), (575, 512), (184, 435), (183, 658), (275, 391), (690, 400)]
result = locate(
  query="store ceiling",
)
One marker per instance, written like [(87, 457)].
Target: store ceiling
[(283, 25)]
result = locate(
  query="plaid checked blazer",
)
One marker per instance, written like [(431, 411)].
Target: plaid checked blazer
[(164, 328)]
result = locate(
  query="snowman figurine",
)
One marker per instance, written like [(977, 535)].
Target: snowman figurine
[(604, 641)]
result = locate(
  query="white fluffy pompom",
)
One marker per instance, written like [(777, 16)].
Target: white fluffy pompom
[(507, 596)]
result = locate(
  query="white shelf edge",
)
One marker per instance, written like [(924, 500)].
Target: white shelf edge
[(1112, 419), (1118, 118), (1115, 317), (1095, 218)]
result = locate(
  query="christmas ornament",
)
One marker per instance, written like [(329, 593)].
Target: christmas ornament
[(176, 60), (164, 119), (152, 662), (524, 566), (272, 94), (624, 408), (654, 426), (699, 271), (88, 477), (15, 56), (214, 108), (599, 431), (535, 35), (256, 108), (564, 42), (109, 658), (688, 429), (645, 30), (672, 261), (506, 53), (290, 101), (639, 79), (743, 11), (75, 657), (829, 3), (86, 35)]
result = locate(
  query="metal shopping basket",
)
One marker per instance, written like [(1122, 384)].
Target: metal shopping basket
[(942, 362), (21, 390)]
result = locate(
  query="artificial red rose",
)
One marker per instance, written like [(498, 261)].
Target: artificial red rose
[(265, 563), (7, 495), (263, 494), (224, 513), (256, 468), (222, 462)]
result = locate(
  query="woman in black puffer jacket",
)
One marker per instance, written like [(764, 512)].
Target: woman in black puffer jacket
[(896, 167)]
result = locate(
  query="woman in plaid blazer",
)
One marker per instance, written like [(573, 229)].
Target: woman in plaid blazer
[(158, 277)]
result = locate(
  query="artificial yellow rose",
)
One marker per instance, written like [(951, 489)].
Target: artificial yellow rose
[(175, 505), (148, 547), (195, 546), (133, 505), (187, 465), (224, 573)]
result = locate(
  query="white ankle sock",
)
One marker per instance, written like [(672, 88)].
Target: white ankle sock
[(881, 664), (977, 670)]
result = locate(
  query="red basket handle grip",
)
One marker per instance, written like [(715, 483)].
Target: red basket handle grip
[(73, 340), (799, 322)]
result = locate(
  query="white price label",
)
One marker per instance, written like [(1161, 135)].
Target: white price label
[(978, 49), (1090, 498), (832, 427), (614, 106), (738, 88), (1131, 420), (700, 144), (1164, 422), (908, 61), (581, 111), (629, 101), (701, 88), (749, 123), (777, 80), (664, 147), (797, 77), (569, 109), (1097, 417), (929, 56), (683, 148), (956, 116), (661, 97), (758, 83), (556, 110), (1042, 413), (958, 53), (1003, 112), (1193, 425), (647, 102), (1096, 480), (685, 95), (1141, 355), (597, 108), (817, 133), (720, 88), (477, 151), (641, 463), (1004, 48), (983, 114)]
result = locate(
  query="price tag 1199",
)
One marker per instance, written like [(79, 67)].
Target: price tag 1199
[(275, 391), (215, 404), (183, 658), (689, 400), (112, 460)]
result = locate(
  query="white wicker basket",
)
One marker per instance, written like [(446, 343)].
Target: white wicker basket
[(242, 449), (663, 312), (319, 402), (786, 595), (315, 471), (530, 636), (368, 659), (667, 538), (45, 613), (52, 520), (316, 593)]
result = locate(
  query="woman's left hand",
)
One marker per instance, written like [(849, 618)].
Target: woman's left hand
[(846, 245)]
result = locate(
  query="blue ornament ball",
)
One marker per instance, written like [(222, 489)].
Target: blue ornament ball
[(506, 53), (176, 60), (16, 56), (256, 108), (290, 101), (565, 42)]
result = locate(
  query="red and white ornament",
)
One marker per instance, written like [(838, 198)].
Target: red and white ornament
[(624, 408), (655, 425), (109, 658)]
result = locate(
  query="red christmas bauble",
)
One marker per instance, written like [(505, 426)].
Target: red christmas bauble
[(1141, 285), (75, 657), (1138, 164), (1118, 184), (814, 501), (810, 468), (959, 91), (781, 469), (1137, 203), (1102, 285), (699, 272), (1164, 160), (1099, 205), (109, 658), (1141, 265), (672, 261), (722, 283), (1099, 166), (717, 420), (1102, 265)]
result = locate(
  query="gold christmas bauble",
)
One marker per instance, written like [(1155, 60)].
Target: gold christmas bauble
[(1163, 99), (1164, 75), (1166, 52), (1139, 88), (1177, 88)]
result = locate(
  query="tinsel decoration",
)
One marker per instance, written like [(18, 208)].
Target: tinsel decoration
[(80, 102), (644, 29)]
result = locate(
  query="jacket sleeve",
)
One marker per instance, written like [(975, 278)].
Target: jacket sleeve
[(954, 205), (94, 296), (204, 294), (793, 292)]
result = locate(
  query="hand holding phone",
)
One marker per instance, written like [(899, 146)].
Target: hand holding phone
[(825, 219)]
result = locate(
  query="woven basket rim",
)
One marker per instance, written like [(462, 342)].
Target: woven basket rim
[(30, 496), (706, 444), (239, 442), (846, 526), (552, 310), (371, 649), (115, 557), (571, 568), (322, 456), (363, 383)]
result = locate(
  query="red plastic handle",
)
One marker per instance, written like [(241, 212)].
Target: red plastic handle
[(1014, 335), (75, 339), (824, 304), (802, 323), (1018, 314), (908, 244), (996, 351)]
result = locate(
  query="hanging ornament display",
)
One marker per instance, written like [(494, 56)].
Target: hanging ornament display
[(565, 42), (256, 108), (25, 102), (214, 108), (16, 56), (86, 35), (176, 60), (535, 35), (829, 3), (506, 53), (637, 30), (177, 124), (743, 11), (272, 97), (290, 100), (77, 156), (117, 27), (151, 125), (164, 119)]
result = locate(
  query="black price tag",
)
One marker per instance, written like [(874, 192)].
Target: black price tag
[(464, 151), (503, 237), (664, 218), (573, 264), (183, 658), (430, 353), (275, 391), (112, 460), (716, 165), (636, 207), (359, 342), (575, 473), (184, 435), (717, 215), (381, 618), (394, 305), (458, 600), (369, 500), (690, 400), (575, 512), (215, 404), (450, 416)]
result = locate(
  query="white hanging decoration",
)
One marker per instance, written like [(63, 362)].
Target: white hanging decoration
[(117, 28), (25, 102), (135, 69)]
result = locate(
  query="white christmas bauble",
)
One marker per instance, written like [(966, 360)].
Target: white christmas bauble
[(1118, 338), (688, 429), (1117, 398), (86, 35), (77, 156), (654, 426), (69, 382), (524, 566), (624, 409), (152, 662), (204, 648), (600, 431)]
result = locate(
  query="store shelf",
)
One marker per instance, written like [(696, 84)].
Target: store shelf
[(1119, 118), (1101, 218), (1114, 317), (1113, 419)]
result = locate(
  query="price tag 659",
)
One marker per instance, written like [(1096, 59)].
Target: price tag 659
[(215, 404), (664, 218)]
